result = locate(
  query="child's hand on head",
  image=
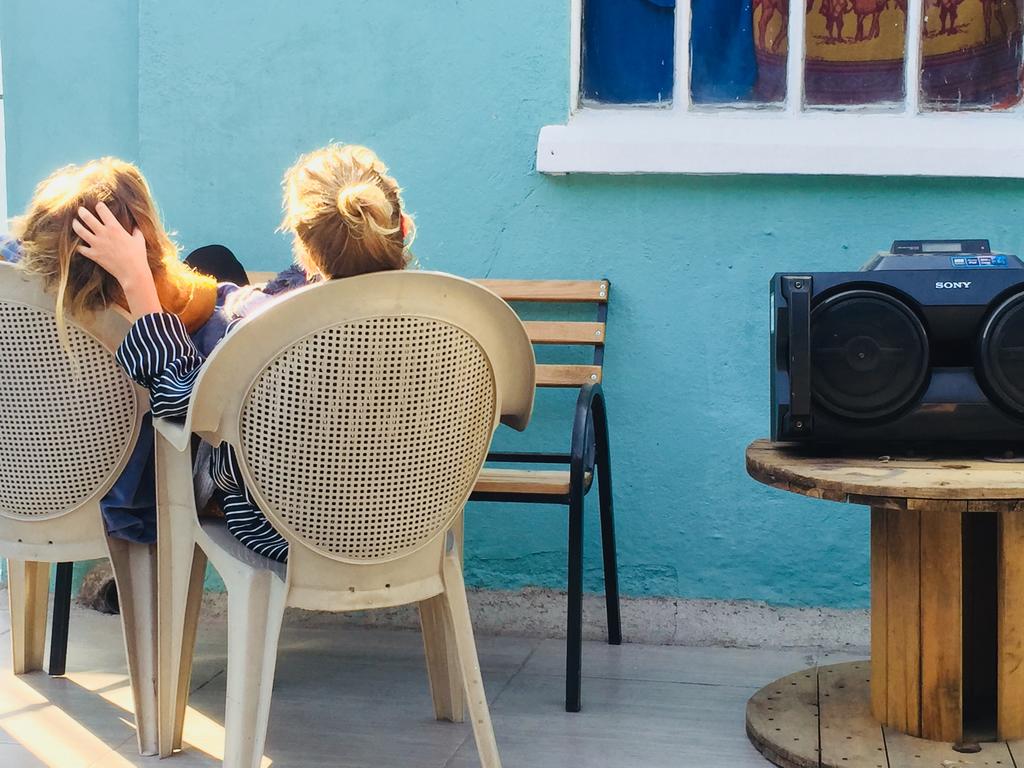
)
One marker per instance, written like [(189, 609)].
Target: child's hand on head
[(121, 254), (108, 244)]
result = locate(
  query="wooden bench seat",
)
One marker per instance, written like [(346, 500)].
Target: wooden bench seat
[(529, 481)]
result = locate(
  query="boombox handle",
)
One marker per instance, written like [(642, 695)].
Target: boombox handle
[(797, 291)]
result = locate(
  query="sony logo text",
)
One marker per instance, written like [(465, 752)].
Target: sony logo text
[(956, 284)]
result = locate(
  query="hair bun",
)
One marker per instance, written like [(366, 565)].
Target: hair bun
[(358, 201)]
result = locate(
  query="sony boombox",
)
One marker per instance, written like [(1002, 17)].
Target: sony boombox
[(924, 345)]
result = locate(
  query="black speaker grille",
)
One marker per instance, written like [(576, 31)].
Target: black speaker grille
[(1001, 354), (869, 354)]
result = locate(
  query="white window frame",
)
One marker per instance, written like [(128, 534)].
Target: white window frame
[(688, 139)]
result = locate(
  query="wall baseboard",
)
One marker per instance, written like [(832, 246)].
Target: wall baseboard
[(650, 620)]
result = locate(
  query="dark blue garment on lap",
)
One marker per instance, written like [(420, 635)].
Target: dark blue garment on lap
[(129, 508)]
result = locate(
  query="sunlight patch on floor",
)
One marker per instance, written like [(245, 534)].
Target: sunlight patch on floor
[(47, 731), (207, 736), (201, 732)]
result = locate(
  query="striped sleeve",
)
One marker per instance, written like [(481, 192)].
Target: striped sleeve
[(158, 354)]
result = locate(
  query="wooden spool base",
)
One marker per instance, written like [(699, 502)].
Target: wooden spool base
[(821, 718)]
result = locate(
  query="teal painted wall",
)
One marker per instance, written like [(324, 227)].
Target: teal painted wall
[(70, 86), (452, 95)]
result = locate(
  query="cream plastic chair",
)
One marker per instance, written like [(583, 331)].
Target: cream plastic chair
[(68, 425), (361, 411)]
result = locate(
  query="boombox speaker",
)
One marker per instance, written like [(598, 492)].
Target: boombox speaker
[(925, 344)]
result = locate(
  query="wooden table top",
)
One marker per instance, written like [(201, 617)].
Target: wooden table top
[(942, 483)]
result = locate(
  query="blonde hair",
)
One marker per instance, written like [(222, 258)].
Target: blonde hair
[(345, 213), (50, 245)]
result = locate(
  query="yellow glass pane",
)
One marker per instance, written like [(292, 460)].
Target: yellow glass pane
[(972, 54), (855, 52)]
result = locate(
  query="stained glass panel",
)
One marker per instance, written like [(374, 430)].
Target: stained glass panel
[(972, 54), (771, 43), (855, 52)]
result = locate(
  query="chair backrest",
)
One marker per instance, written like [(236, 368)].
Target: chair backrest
[(572, 333), (69, 419), (361, 410)]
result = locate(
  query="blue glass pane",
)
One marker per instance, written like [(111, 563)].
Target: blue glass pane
[(628, 51), (722, 56)]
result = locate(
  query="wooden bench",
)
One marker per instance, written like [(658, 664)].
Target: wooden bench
[(588, 453)]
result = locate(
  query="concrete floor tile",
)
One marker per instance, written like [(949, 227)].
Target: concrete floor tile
[(744, 667), (16, 756), (623, 723)]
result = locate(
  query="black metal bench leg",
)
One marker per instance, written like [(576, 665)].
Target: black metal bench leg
[(61, 619), (611, 567), (574, 624)]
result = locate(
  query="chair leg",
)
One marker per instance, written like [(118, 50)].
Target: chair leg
[(28, 586), (574, 614), (61, 619), (193, 606), (134, 568), (611, 567), (256, 602), (457, 609), (446, 687), (459, 533), (179, 561)]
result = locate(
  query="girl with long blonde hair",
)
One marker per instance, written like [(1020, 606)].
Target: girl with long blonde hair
[(43, 242), (49, 245)]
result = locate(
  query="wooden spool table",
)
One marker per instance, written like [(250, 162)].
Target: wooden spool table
[(947, 619)]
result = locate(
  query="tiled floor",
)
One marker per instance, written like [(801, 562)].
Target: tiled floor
[(347, 698)]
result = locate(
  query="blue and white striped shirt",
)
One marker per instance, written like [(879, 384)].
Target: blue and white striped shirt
[(158, 354)]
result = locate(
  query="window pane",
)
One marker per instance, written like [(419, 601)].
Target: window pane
[(972, 54), (855, 51), (628, 51), (771, 45), (738, 51)]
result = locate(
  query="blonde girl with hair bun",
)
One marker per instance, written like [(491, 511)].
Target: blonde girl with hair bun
[(345, 213), (346, 217)]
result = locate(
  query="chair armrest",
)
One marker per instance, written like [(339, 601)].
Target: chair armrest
[(585, 432), (176, 433)]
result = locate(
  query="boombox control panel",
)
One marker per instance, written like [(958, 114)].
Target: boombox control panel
[(941, 254), (925, 343)]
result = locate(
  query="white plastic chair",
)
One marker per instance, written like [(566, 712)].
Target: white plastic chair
[(68, 423), (360, 411)]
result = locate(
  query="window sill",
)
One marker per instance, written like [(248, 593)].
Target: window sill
[(624, 141)]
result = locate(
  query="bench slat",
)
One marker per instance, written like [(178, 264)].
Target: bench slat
[(544, 332), (255, 278), (549, 290), (520, 290), (568, 375)]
